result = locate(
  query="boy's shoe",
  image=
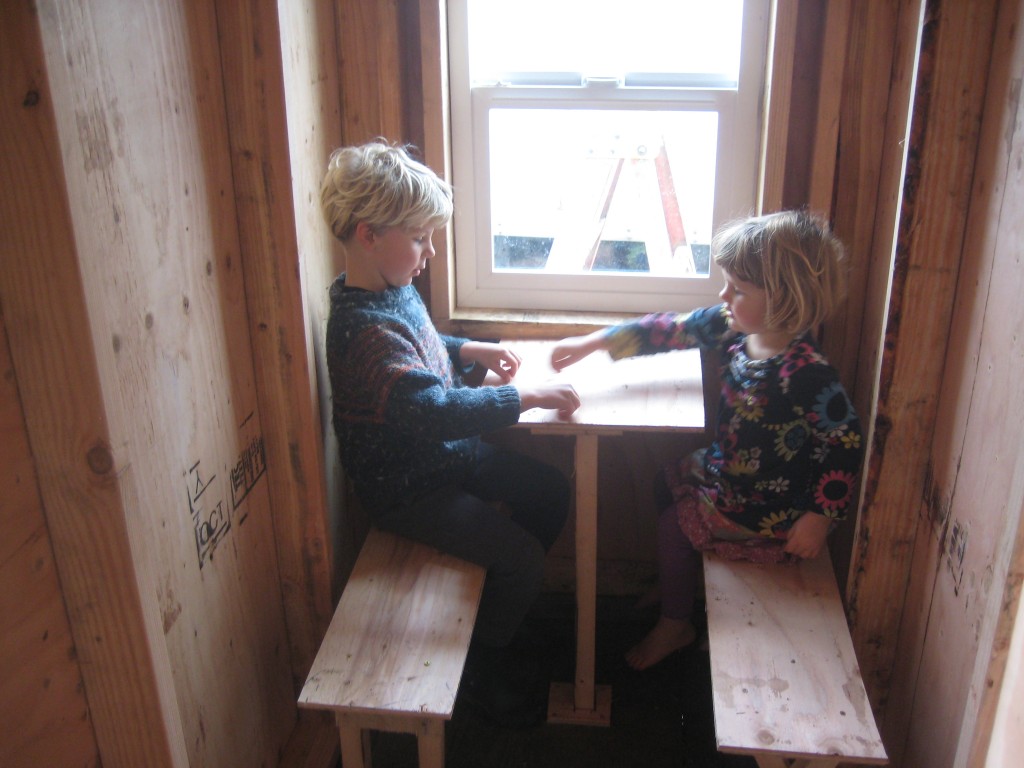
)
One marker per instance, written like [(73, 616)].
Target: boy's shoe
[(507, 688)]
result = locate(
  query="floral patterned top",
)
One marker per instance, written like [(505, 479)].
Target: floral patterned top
[(787, 439)]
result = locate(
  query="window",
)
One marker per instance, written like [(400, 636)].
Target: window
[(597, 144)]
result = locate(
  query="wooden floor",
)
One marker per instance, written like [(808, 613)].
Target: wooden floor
[(660, 718)]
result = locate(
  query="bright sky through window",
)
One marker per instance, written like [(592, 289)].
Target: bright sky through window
[(605, 38)]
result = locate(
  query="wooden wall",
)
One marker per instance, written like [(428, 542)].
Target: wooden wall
[(936, 570), (967, 562), (151, 296), (38, 663), (309, 53)]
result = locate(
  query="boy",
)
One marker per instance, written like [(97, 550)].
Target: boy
[(408, 423)]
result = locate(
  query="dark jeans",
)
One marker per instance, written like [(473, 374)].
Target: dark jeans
[(510, 543)]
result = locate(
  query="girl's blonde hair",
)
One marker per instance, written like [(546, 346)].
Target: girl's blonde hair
[(794, 257), (381, 184)]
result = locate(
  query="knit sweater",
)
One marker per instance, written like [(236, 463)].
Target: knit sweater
[(787, 440), (405, 418)]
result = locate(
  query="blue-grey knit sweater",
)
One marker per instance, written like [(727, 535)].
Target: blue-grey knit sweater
[(406, 420)]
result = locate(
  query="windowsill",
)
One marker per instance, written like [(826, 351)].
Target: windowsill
[(496, 323)]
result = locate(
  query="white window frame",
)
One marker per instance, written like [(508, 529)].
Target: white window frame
[(739, 136)]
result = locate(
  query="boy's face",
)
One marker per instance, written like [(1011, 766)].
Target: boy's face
[(401, 253), (746, 304)]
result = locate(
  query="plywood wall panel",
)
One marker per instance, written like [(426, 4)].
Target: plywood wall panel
[(137, 94), (114, 620)]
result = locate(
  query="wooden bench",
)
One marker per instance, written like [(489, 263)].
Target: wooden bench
[(394, 653), (785, 681)]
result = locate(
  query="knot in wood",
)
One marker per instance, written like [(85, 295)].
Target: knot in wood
[(99, 459)]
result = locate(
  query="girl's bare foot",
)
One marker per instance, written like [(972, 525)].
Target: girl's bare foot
[(667, 636)]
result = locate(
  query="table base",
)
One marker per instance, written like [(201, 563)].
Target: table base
[(562, 706)]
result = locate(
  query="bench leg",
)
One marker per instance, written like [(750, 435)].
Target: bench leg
[(355, 744), (355, 729), (430, 743), (773, 761)]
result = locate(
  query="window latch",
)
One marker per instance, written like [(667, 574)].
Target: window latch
[(603, 81)]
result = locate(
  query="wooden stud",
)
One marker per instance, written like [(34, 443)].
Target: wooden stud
[(251, 65), (777, 103), (929, 238), (826, 131)]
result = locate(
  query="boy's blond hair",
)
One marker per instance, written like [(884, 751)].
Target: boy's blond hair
[(794, 257), (384, 186)]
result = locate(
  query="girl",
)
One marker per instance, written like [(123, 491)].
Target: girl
[(782, 470)]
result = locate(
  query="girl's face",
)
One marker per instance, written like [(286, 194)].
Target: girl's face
[(745, 303), (402, 253)]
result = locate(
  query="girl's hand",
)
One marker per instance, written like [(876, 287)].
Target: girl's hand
[(497, 358), (575, 348), (559, 397), (807, 536)]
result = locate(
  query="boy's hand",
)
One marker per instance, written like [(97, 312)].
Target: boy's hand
[(575, 348), (497, 358), (559, 397), (807, 536)]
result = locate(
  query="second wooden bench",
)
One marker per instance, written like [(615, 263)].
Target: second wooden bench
[(785, 681), (394, 653)]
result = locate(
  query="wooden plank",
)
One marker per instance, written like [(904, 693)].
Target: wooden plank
[(875, 106), (251, 66), (777, 99), (115, 623), (879, 61), (398, 640), (826, 125), (976, 486), (311, 73), (436, 116), (372, 74), (42, 700), (784, 674), (917, 603), (942, 146)]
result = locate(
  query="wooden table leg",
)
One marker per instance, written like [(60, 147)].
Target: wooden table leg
[(583, 701)]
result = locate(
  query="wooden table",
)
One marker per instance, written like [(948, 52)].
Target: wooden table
[(643, 394)]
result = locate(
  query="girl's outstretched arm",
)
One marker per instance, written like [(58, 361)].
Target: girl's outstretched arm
[(575, 348)]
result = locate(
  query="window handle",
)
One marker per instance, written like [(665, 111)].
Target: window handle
[(603, 81)]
